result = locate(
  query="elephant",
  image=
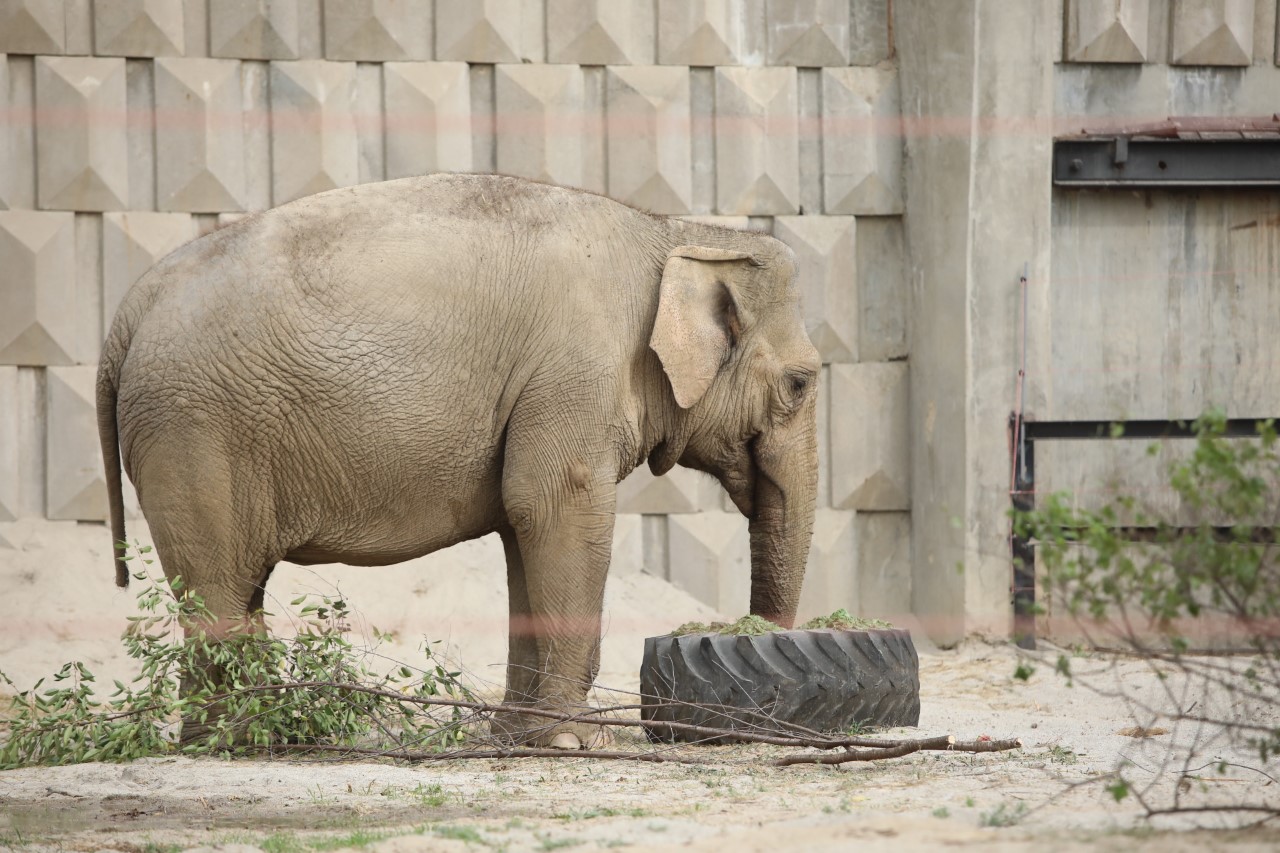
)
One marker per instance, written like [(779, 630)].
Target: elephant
[(373, 373)]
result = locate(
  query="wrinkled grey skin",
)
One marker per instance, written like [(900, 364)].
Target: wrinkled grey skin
[(374, 373)]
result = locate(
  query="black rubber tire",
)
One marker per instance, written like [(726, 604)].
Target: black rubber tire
[(821, 680)]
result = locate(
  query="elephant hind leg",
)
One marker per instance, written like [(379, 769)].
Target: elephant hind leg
[(202, 535)]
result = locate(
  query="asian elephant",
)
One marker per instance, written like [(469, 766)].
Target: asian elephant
[(374, 373)]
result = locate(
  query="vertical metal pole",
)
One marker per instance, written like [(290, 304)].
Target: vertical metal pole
[(1023, 551)]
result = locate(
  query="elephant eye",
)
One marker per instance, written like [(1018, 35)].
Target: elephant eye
[(799, 383)]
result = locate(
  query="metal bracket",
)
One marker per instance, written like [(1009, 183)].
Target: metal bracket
[(1124, 162)]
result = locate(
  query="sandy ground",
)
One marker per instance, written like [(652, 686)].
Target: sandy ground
[(1049, 795)]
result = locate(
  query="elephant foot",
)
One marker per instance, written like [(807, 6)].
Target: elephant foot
[(527, 730)]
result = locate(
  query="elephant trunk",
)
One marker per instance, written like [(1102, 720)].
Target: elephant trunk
[(781, 529)]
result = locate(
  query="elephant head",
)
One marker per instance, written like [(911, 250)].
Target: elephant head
[(743, 373)]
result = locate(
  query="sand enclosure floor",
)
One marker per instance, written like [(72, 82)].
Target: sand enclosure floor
[(1053, 791)]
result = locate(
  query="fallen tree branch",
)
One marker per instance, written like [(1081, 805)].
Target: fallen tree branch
[(855, 748)]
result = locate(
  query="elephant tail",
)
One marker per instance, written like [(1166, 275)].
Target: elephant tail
[(108, 384)]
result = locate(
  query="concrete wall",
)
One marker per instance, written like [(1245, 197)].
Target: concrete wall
[(1115, 326), (902, 148), (131, 127)]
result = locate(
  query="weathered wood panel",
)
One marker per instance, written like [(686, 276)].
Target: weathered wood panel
[(1161, 305)]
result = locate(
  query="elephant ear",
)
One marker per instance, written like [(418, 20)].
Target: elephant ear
[(697, 321)]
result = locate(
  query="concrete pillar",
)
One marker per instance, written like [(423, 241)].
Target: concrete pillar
[(977, 97)]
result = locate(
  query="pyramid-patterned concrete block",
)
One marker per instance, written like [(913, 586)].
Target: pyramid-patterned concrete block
[(870, 436), (200, 135), (9, 472), (254, 29), (428, 117), (37, 320), (75, 488), (711, 32), (882, 289), (1107, 30), (600, 32), (131, 244), (1212, 32), (809, 33), (680, 490), (541, 124), (861, 141), (489, 31), (709, 557), (138, 27), (627, 556), (830, 576), (33, 26), (82, 156), (870, 32), (8, 157), (647, 123), (884, 565), (757, 141), (313, 136), (378, 30), (826, 250)]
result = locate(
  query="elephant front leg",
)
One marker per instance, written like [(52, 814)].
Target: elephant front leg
[(561, 542), (522, 647)]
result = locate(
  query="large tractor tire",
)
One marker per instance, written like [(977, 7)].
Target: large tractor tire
[(821, 680)]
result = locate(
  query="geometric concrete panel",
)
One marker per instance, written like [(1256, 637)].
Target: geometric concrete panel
[(82, 157), (428, 117), (1106, 30), (8, 168), (825, 248), (1212, 32), (737, 223), (37, 256), (870, 32), (649, 138), (254, 29), (8, 443), (33, 26), (628, 540), (540, 121), (884, 565), (861, 141), (488, 31), (710, 32), (377, 30), (709, 557), (138, 28), (809, 33), (870, 436), (313, 138), (757, 141), (131, 245), (200, 150), (882, 289), (75, 488), (831, 575), (680, 490), (600, 32)]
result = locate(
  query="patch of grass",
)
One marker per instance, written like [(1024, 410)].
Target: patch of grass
[(282, 842), (968, 802), (1062, 755), (460, 833), (1003, 815), (750, 626), (941, 812), (754, 626), (545, 843), (843, 620)]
